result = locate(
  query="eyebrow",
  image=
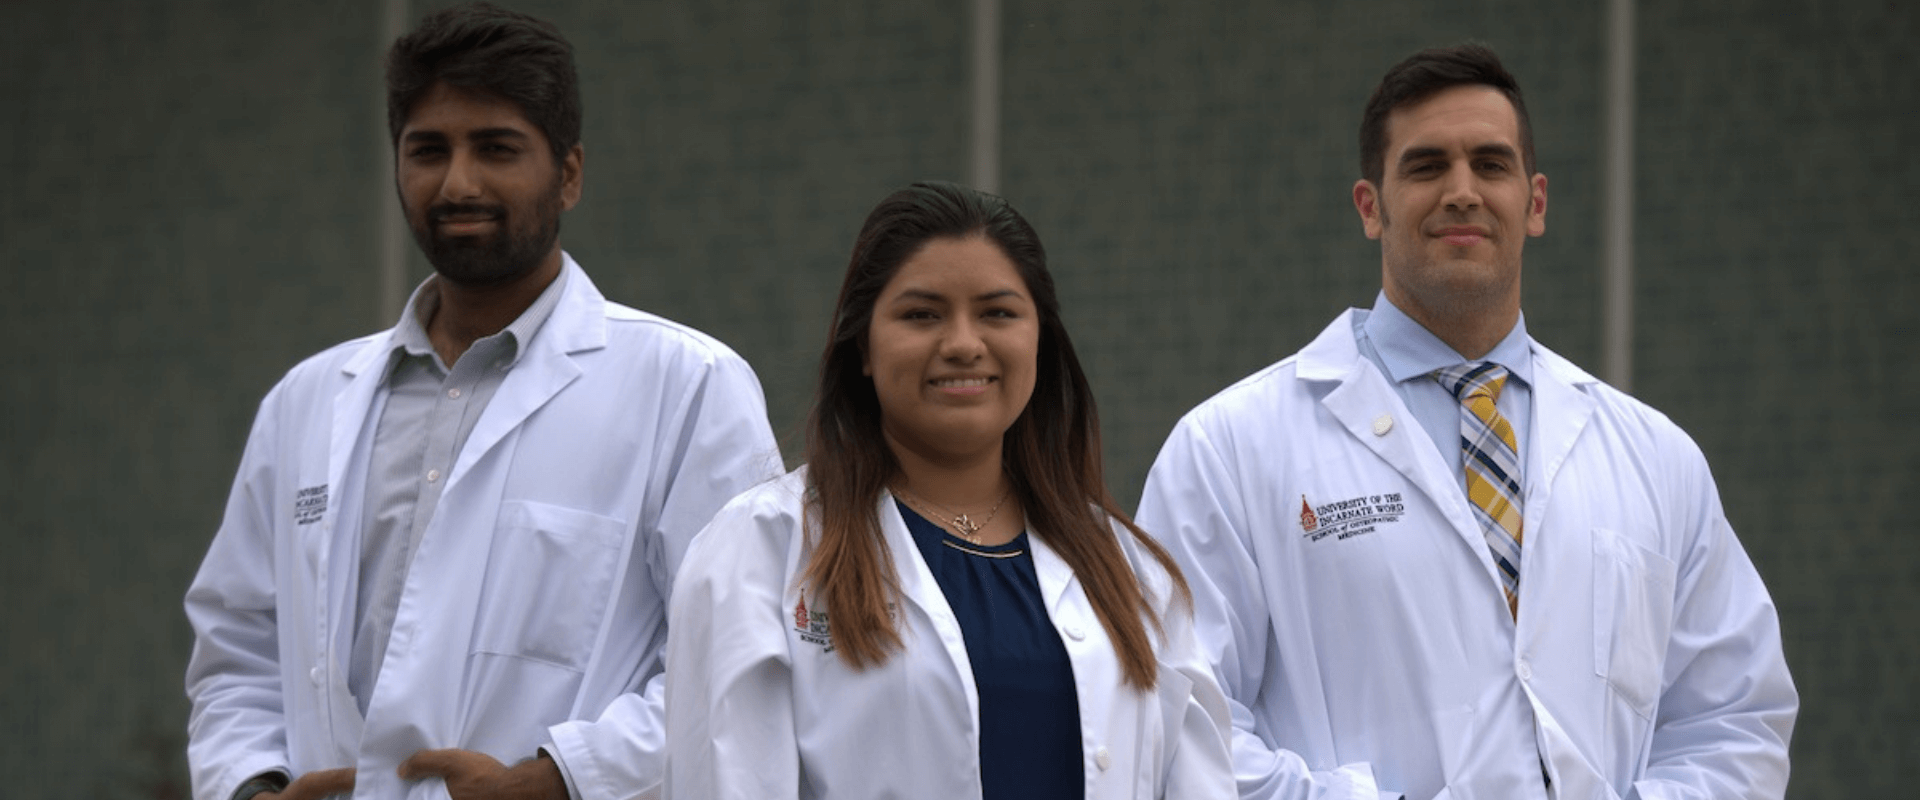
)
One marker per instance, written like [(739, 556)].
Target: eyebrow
[(926, 294), (498, 133), (1496, 149), (481, 135)]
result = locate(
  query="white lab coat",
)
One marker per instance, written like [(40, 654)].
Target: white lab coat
[(760, 707), (1368, 648), (533, 607)]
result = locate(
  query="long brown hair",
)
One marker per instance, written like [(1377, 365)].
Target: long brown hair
[(1052, 451)]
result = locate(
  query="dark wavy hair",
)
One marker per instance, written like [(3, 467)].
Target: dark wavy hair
[(483, 47), (1425, 74), (1052, 450)]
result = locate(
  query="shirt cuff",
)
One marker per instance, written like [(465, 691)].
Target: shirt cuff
[(269, 781), (551, 753)]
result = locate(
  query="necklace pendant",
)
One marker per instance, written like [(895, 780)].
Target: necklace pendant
[(967, 527)]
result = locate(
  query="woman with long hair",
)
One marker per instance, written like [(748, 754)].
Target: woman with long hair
[(945, 602)]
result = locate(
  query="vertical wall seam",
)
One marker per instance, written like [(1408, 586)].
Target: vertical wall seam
[(1616, 339), (983, 168), (390, 259)]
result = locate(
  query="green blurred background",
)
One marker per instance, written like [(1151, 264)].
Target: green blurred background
[(197, 195)]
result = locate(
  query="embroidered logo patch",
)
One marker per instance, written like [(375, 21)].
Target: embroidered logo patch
[(812, 625), (1354, 516), (309, 505)]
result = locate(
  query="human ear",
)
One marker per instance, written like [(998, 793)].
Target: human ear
[(1366, 200), (572, 175), (1537, 205)]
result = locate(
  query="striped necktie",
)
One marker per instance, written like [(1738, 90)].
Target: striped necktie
[(1492, 466)]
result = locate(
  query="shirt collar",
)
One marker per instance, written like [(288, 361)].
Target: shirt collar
[(1409, 351), (410, 335)]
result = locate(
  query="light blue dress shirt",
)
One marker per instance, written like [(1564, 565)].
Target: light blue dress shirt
[(1408, 353)]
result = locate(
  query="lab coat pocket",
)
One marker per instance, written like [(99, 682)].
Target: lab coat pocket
[(1633, 617), (548, 583)]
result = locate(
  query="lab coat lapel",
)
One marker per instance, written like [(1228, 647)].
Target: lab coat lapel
[(348, 444), (1363, 400), (1561, 411), (1054, 574), (351, 408), (1087, 645), (922, 590), (546, 365)]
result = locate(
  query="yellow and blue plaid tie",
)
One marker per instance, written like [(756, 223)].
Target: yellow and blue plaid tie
[(1492, 466)]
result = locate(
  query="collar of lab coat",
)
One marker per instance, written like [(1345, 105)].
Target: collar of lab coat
[(1361, 399), (1561, 387), (547, 364), (578, 323)]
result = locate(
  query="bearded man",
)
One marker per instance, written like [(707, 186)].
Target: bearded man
[(449, 546)]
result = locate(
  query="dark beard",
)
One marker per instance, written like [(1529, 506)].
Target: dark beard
[(491, 261)]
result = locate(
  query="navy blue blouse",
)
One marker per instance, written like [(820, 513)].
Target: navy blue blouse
[(1029, 715)]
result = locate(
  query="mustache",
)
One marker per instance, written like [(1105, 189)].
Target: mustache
[(439, 213)]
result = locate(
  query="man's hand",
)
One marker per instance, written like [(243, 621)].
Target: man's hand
[(315, 785), (477, 776)]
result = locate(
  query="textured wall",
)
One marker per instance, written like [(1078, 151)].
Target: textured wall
[(193, 204), (1191, 168), (1777, 290), (186, 204)]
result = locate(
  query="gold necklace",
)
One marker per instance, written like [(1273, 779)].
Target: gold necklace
[(961, 523)]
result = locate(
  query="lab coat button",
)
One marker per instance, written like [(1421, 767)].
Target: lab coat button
[(316, 676), (1101, 759), (1075, 633), (1525, 670), (1382, 424)]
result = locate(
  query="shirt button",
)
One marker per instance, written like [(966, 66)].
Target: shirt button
[(1075, 633), (1524, 670), (454, 393), (316, 675), (433, 475), (1101, 759)]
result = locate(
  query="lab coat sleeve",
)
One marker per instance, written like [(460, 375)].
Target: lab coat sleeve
[(1191, 502), (1202, 762), (730, 712), (237, 727), (725, 447), (721, 446), (1727, 708)]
